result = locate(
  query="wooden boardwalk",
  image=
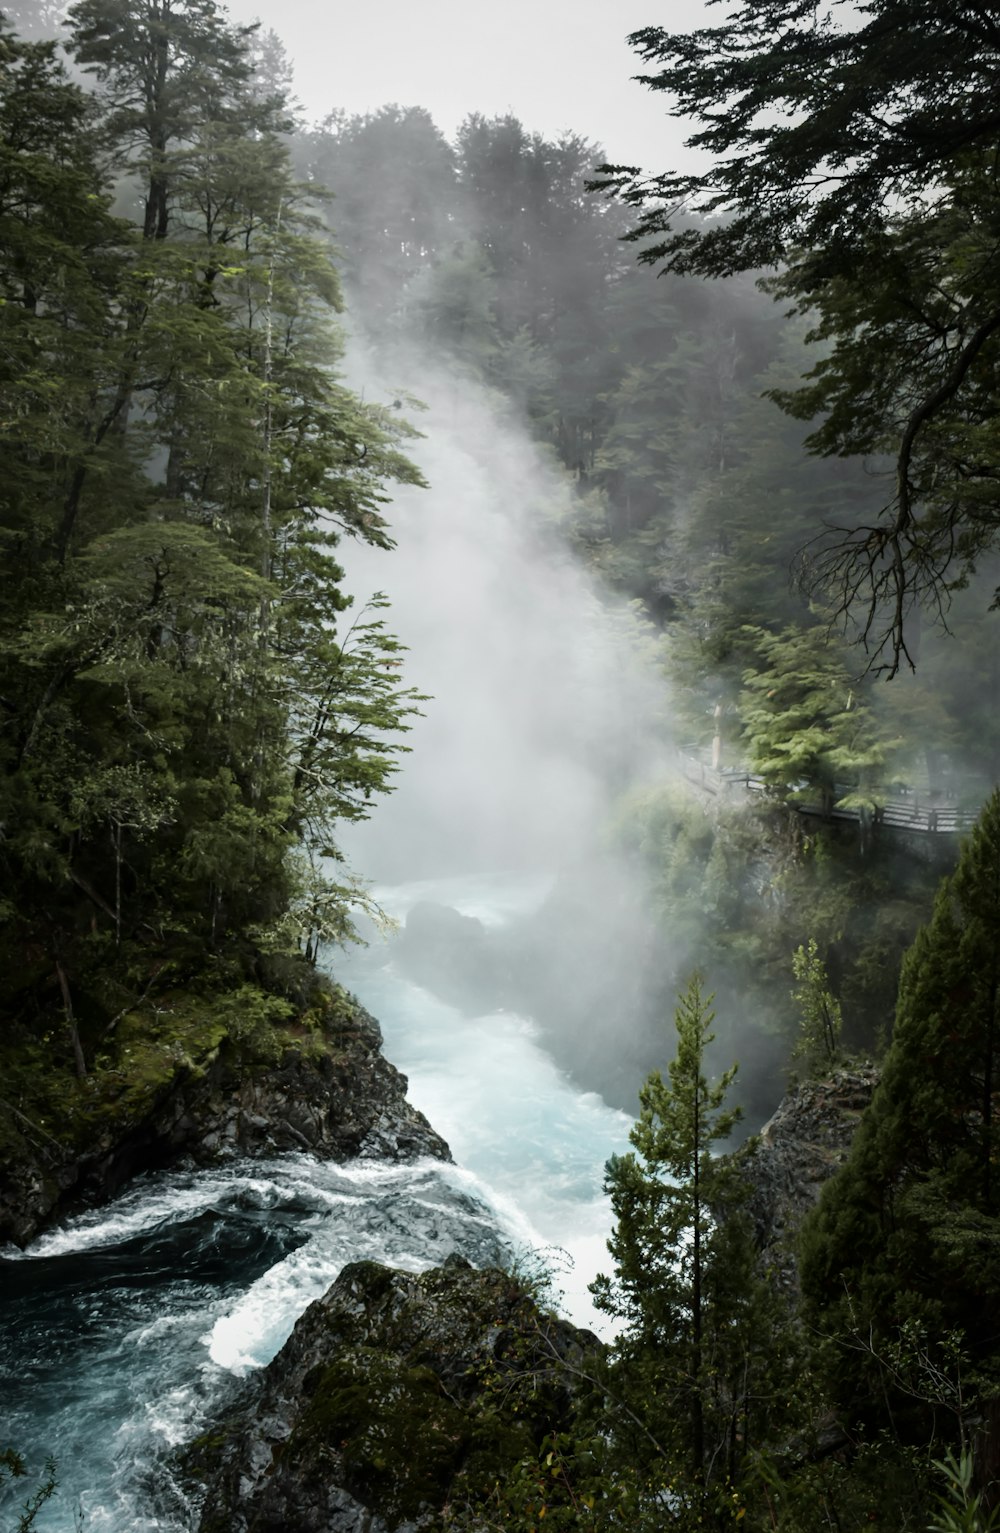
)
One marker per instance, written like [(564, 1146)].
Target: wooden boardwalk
[(902, 812)]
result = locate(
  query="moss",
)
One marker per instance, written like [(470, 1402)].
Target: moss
[(398, 1436), (455, 1395), (213, 1523), (199, 1459), (420, 1393), (135, 1058)]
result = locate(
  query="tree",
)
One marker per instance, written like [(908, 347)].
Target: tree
[(689, 1359), (807, 722), (858, 159), (168, 68), (819, 1009), (907, 1233), (36, 20), (392, 177), (187, 714)]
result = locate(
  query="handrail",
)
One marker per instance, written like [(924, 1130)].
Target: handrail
[(892, 813)]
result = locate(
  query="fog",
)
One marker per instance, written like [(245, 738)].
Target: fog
[(546, 704), (542, 706)]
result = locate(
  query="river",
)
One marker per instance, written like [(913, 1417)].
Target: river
[(126, 1328)]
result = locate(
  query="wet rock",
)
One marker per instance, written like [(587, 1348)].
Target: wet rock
[(455, 957), (395, 1394)]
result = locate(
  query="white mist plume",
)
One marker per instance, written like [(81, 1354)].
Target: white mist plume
[(542, 706)]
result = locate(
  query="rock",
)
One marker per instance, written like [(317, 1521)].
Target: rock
[(339, 1103), (796, 1151), (395, 1394), (428, 921), (455, 957)]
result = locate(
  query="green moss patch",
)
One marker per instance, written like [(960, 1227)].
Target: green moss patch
[(399, 1438), (136, 1057)]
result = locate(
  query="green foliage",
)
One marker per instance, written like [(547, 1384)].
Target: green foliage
[(347, 1407), (740, 885), (819, 1009), (959, 1509), (12, 1467), (806, 721), (686, 1390), (907, 1232), (252, 1020), (890, 255), (189, 710)]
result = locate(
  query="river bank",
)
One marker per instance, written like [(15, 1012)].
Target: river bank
[(192, 1082)]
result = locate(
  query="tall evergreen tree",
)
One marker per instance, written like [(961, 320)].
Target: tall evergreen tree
[(807, 721), (689, 1361), (188, 712), (908, 1232)]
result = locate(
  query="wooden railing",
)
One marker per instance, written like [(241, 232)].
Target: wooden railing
[(908, 811)]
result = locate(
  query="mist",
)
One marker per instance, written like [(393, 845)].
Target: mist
[(541, 705), (547, 704)]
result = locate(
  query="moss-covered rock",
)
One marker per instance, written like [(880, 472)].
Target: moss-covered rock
[(396, 1396), (201, 1075)]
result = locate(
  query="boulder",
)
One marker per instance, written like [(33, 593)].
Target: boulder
[(455, 957), (395, 1395)]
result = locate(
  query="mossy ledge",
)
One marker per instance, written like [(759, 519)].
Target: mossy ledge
[(396, 1396), (202, 1075)]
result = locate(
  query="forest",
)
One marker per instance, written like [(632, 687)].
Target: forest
[(766, 394)]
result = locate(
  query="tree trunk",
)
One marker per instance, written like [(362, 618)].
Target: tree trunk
[(81, 1063), (697, 1410)]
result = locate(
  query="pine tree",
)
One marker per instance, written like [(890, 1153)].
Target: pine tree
[(908, 1232), (807, 722), (688, 1361), (819, 1010)]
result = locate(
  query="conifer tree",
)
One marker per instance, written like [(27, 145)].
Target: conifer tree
[(820, 1019), (807, 720), (688, 1361), (908, 1232)]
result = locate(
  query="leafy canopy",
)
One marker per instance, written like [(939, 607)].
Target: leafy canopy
[(854, 152)]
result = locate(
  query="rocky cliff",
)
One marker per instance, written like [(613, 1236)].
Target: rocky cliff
[(400, 1400), (796, 1151)]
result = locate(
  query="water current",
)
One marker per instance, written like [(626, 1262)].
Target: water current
[(124, 1329)]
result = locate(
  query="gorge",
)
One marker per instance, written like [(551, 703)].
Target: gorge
[(127, 1325), (442, 731)]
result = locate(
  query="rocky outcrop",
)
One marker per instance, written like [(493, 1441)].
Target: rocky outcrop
[(395, 1394), (455, 957), (337, 1097), (796, 1151)]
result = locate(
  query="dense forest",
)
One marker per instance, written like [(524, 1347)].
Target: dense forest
[(768, 395)]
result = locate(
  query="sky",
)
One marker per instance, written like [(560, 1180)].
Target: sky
[(555, 64)]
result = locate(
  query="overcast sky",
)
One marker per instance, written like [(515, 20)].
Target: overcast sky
[(556, 64)]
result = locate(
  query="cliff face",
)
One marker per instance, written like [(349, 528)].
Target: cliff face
[(333, 1093), (796, 1151), (394, 1395)]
